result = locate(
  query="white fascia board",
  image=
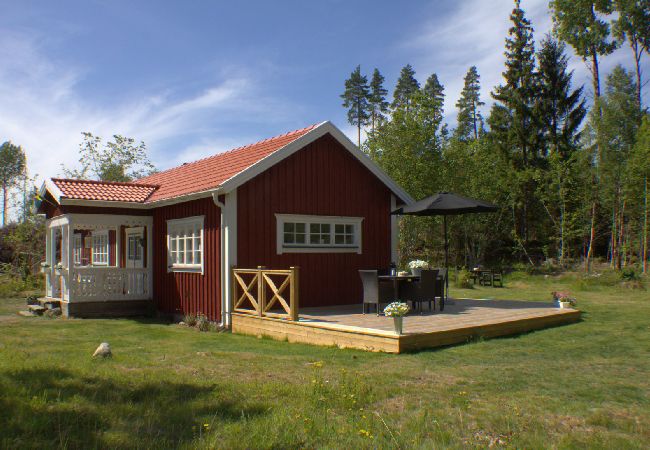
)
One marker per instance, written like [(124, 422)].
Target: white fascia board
[(53, 189), (289, 149)]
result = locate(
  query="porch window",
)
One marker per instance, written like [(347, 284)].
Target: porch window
[(185, 244), (77, 249), (318, 234), (100, 248)]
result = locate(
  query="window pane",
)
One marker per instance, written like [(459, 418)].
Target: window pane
[(349, 229), (325, 238), (288, 227), (288, 238), (300, 238), (339, 228), (339, 239), (314, 228), (325, 228), (189, 257), (197, 243), (300, 228), (349, 239)]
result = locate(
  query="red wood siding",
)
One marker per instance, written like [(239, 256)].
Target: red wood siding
[(185, 292), (321, 179)]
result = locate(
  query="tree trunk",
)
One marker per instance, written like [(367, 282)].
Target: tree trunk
[(612, 238), (4, 204), (591, 236), (619, 247), (359, 135), (595, 75), (637, 62), (645, 224)]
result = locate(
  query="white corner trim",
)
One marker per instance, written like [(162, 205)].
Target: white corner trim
[(306, 139), (280, 220)]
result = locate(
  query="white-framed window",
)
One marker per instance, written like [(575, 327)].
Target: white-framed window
[(100, 248), (77, 249), (318, 234), (185, 244)]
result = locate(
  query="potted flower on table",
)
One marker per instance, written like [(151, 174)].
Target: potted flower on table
[(417, 265), (397, 310)]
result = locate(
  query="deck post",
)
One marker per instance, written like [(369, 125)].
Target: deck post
[(261, 291), (294, 289)]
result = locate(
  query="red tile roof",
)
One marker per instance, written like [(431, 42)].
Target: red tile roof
[(104, 190), (211, 172), (198, 176)]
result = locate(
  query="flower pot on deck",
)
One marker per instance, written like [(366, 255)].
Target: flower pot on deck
[(399, 324), (565, 305)]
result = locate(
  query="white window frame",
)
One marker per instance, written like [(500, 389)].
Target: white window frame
[(308, 247), (101, 234), (176, 226), (77, 249)]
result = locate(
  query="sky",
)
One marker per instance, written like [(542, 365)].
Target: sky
[(195, 78)]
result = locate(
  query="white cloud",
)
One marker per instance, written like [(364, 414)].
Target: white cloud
[(43, 110)]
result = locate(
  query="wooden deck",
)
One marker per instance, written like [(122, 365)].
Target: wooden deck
[(465, 319)]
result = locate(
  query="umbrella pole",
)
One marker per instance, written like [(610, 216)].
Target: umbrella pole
[(444, 226)]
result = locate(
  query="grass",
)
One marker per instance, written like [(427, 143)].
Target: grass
[(585, 385)]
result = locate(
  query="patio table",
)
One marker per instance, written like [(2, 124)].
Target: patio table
[(396, 280)]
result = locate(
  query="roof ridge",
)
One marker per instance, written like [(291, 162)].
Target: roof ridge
[(232, 150), (116, 183)]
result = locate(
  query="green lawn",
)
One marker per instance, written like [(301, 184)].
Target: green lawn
[(585, 385)]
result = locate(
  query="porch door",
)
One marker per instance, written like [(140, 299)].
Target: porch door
[(134, 248), (135, 260)]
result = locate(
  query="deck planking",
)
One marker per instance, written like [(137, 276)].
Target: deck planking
[(464, 319)]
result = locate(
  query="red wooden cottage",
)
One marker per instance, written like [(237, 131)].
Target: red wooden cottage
[(309, 198)]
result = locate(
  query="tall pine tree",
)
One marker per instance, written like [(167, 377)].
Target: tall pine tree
[(514, 123), (378, 106), (355, 98), (470, 121), (561, 111), (406, 87)]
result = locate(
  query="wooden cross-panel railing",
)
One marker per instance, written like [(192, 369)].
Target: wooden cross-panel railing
[(263, 292)]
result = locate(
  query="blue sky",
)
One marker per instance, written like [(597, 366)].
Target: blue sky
[(196, 78)]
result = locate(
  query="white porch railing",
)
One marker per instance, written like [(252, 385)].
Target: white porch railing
[(108, 283)]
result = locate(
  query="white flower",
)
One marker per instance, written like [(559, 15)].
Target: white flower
[(396, 309), (418, 264)]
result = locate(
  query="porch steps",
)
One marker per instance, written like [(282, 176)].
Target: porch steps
[(36, 309), (49, 303)]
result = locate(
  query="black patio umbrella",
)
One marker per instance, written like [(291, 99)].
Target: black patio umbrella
[(446, 204)]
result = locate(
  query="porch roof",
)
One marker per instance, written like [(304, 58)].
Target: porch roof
[(104, 190)]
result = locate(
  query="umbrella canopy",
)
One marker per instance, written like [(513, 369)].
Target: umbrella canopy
[(446, 204)]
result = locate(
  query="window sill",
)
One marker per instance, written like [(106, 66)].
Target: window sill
[(186, 269), (322, 249)]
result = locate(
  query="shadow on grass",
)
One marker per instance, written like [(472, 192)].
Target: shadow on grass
[(43, 408)]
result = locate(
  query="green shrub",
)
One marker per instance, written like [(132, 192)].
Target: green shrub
[(202, 322), (464, 279), (630, 274), (190, 320)]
